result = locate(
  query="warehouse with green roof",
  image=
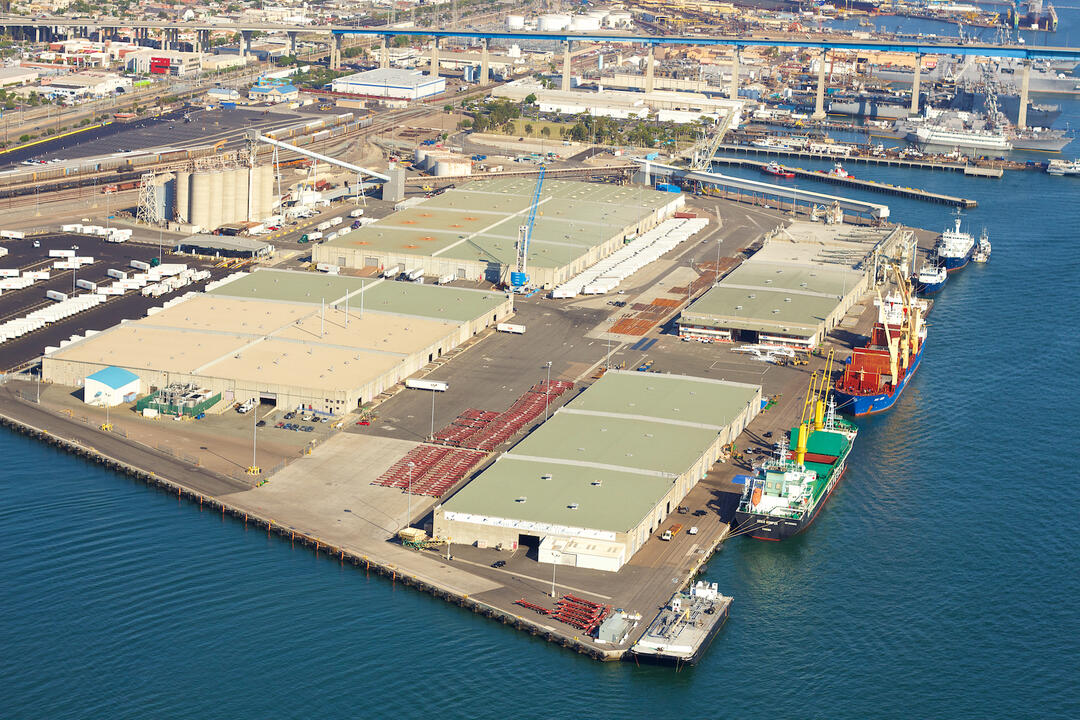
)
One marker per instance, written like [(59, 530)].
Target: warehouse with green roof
[(471, 231), (591, 484)]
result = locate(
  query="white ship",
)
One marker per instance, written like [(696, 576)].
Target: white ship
[(1063, 167), (941, 137), (981, 253)]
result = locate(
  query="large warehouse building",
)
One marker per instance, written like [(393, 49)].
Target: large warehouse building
[(471, 232), (391, 83), (794, 290), (296, 339), (592, 483)]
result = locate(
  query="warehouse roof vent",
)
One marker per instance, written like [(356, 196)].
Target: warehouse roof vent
[(572, 506), (521, 499), (597, 483), (545, 476)]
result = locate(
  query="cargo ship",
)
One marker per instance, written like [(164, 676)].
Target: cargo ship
[(685, 627), (788, 492), (876, 374), (930, 279), (954, 247)]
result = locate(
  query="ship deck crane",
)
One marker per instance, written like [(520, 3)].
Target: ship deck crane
[(520, 277)]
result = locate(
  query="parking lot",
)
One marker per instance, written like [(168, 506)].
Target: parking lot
[(32, 253)]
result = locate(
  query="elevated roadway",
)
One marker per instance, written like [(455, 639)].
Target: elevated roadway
[(1027, 52)]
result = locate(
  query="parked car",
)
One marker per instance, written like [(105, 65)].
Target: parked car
[(261, 423), (498, 564)]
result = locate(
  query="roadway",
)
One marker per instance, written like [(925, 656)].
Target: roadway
[(921, 47)]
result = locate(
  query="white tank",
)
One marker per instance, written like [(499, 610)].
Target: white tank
[(584, 23), (228, 197), (242, 184), (420, 155), (183, 197), (515, 22), (553, 23), (619, 19), (215, 200), (600, 15), (267, 193)]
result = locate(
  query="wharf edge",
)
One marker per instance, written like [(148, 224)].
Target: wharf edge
[(333, 551)]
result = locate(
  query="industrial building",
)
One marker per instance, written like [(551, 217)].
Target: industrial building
[(297, 339), (589, 486), (794, 290), (224, 246), (208, 199), (391, 83), (471, 232), (110, 387)]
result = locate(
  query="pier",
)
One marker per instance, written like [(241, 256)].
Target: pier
[(974, 170), (858, 183)]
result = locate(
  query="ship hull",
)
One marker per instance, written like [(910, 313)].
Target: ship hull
[(929, 288), (775, 529), (859, 405), (952, 264)]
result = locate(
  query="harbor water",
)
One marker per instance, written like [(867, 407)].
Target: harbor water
[(938, 582)]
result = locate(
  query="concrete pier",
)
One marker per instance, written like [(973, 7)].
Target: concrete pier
[(915, 86), (1025, 81), (566, 67)]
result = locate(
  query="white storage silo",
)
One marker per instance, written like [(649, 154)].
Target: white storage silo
[(553, 22), (214, 200), (199, 203), (228, 197), (241, 184), (267, 192), (183, 196), (515, 22), (584, 23)]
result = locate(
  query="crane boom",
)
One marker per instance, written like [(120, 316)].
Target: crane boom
[(519, 278)]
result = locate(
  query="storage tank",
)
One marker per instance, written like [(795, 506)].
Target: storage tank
[(241, 185), (600, 15), (553, 22), (420, 156), (228, 197), (267, 195), (183, 196), (585, 23), (199, 204), (214, 200), (619, 19), (452, 167), (515, 22)]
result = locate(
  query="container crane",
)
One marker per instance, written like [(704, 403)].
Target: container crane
[(519, 278)]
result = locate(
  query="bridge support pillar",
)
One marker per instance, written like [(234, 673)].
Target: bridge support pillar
[(485, 63), (915, 85), (435, 66), (734, 92), (245, 42), (290, 43), (384, 53), (203, 39), (650, 71), (335, 51), (1025, 80), (566, 67), (819, 104)]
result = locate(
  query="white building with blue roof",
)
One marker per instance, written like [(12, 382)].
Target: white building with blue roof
[(110, 387)]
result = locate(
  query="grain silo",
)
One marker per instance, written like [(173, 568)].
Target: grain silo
[(214, 200), (182, 187), (228, 196), (267, 195)]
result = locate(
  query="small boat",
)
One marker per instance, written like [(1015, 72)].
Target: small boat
[(930, 278), (838, 171), (777, 170), (982, 248)]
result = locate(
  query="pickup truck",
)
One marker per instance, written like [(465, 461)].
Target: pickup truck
[(671, 531)]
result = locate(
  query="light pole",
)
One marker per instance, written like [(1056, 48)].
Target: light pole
[(432, 437), (554, 564), (547, 391), (409, 516)]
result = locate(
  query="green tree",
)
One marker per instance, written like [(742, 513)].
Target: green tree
[(528, 129), (546, 131)]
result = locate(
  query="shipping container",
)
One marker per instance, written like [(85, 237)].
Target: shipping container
[(358, 212), (511, 328), (435, 385)]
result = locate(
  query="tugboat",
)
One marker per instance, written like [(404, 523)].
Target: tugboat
[(954, 247), (777, 170), (877, 373), (930, 279), (982, 249), (838, 171), (788, 492)]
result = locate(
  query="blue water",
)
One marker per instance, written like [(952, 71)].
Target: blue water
[(941, 581)]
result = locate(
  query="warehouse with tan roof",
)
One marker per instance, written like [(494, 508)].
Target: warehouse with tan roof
[(291, 338)]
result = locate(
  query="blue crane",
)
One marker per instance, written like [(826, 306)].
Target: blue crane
[(520, 278)]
